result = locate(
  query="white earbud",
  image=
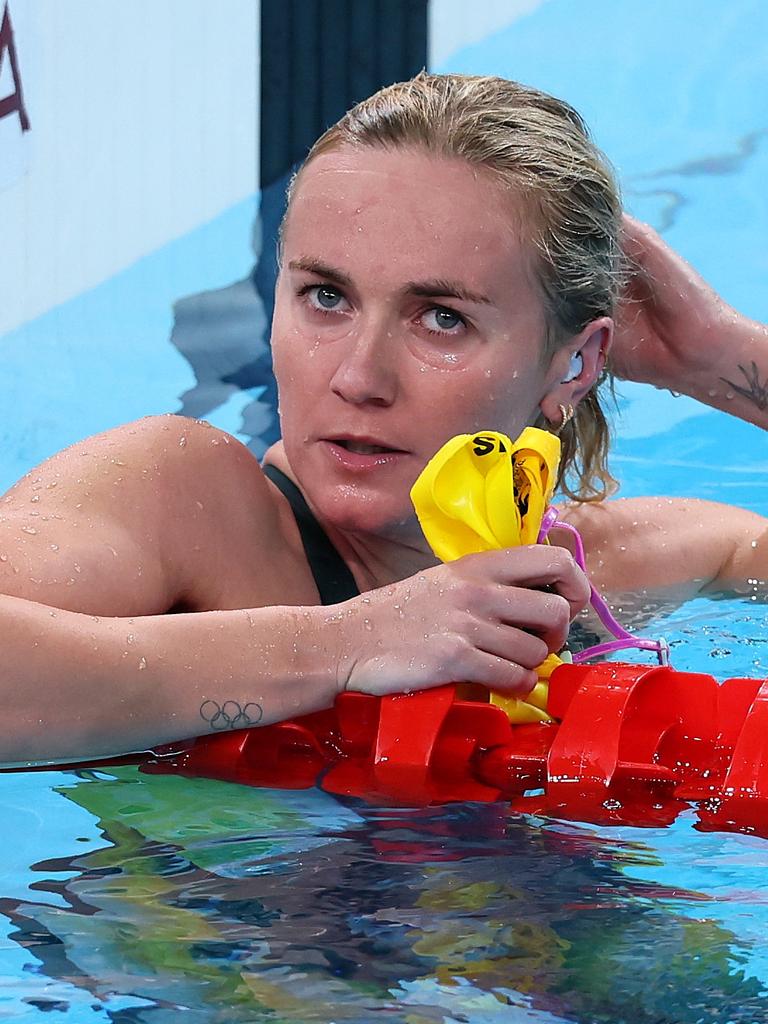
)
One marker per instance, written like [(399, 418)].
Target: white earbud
[(575, 367)]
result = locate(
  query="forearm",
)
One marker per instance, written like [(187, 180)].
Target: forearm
[(74, 686), (674, 331), (729, 369)]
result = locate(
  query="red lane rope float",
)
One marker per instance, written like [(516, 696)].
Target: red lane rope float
[(610, 743), (632, 744)]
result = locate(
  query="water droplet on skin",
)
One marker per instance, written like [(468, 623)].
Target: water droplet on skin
[(712, 392), (52, 613), (3, 558), (35, 497), (730, 395), (29, 529), (182, 441), (130, 638), (142, 663), (76, 567)]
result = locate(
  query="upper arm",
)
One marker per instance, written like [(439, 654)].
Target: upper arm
[(673, 547), (124, 523)]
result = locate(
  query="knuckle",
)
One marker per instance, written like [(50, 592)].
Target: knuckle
[(468, 593), (456, 649), (563, 561), (559, 612)]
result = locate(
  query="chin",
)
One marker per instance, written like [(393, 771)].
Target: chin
[(351, 511)]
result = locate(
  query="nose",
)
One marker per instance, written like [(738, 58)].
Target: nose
[(367, 373)]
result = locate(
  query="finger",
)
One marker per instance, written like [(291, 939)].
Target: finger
[(508, 642), (499, 674), (539, 565), (545, 616)]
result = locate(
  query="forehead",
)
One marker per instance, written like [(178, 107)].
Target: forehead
[(409, 215)]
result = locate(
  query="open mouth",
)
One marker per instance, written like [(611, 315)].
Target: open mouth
[(360, 448)]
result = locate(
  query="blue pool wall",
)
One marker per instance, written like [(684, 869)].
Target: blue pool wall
[(690, 147)]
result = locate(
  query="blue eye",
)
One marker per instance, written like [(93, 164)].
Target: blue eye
[(326, 297), (443, 320)]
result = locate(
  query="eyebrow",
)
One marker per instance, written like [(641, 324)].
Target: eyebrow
[(437, 289), (321, 269), (442, 289)]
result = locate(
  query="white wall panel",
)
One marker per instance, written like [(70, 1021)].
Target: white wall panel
[(143, 126)]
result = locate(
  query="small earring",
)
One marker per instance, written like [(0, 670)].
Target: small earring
[(566, 413)]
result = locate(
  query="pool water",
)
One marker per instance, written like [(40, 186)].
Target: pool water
[(130, 898)]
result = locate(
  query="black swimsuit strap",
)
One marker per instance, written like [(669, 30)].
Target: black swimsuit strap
[(333, 578)]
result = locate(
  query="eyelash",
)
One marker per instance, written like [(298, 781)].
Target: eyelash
[(304, 291)]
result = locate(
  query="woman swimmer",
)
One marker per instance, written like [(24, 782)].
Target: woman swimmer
[(450, 262)]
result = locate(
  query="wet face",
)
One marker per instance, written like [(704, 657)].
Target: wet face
[(406, 312)]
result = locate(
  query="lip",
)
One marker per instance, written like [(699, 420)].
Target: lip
[(357, 461)]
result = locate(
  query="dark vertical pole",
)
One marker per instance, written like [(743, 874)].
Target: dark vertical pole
[(319, 57)]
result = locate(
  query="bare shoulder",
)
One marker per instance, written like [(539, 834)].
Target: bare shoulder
[(672, 546), (135, 520)]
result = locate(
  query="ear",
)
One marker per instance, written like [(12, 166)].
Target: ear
[(563, 387)]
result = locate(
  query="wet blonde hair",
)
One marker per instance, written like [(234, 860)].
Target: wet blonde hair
[(539, 148)]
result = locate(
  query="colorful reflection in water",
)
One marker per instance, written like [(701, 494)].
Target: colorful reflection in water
[(245, 905)]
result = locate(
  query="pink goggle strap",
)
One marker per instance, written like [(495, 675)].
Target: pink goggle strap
[(624, 639)]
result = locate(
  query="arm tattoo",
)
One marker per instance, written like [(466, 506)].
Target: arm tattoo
[(755, 392), (230, 714)]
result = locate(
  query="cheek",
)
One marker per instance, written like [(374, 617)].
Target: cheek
[(489, 401), (293, 353)]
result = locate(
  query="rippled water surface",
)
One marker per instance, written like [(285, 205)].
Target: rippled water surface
[(160, 894)]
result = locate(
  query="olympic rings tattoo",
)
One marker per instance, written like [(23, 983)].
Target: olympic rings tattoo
[(230, 714)]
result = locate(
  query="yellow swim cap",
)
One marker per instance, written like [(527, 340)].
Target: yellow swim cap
[(482, 492)]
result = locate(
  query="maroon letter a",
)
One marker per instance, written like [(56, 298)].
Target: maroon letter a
[(15, 102)]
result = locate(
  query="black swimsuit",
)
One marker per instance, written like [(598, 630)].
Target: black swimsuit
[(333, 579)]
